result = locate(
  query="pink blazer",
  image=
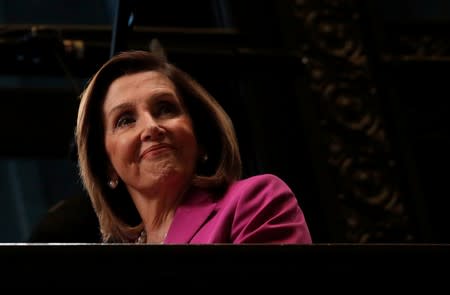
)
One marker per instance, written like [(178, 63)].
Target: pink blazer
[(259, 209)]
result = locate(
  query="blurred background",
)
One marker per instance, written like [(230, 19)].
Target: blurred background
[(346, 100)]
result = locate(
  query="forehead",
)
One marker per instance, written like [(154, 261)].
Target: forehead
[(148, 80), (137, 86)]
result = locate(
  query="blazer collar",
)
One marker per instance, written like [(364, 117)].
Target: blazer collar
[(190, 215)]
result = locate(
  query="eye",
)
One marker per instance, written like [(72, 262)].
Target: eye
[(166, 108), (124, 120)]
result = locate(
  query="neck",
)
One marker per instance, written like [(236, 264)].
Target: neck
[(157, 205), (159, 200), (157, 216), (152, 237), (156, 232)]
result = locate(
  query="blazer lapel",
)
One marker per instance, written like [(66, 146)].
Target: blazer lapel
[(189, 217)]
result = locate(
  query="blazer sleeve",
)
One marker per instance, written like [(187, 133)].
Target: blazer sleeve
[(267, 211)]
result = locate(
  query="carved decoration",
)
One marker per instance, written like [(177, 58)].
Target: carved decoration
[(358, 151), (417, 47)]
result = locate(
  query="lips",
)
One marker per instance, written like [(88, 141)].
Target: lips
[(155, 150)]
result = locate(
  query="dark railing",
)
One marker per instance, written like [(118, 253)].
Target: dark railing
[(217, 268)]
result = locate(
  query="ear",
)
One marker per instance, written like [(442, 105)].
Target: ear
[(201, 152), (113, 178), (112, 174)]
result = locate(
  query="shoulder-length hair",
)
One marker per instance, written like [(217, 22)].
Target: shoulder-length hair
[(118, 217)]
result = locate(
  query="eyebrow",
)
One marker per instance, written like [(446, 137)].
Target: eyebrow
[(161, 94), (119, 108), (153, 96)]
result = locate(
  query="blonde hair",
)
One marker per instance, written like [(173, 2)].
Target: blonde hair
[(118, 217)]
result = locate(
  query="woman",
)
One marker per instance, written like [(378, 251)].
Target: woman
[(160, 161)]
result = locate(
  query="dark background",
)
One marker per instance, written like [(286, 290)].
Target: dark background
[(344, 100)]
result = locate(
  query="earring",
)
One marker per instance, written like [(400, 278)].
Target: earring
[(113, 183), (205, 158)]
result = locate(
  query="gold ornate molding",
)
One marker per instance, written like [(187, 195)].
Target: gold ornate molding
[(358, 151), (417, 47)]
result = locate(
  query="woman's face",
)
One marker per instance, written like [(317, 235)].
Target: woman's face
[(149, 137)]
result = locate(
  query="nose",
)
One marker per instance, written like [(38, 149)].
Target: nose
[(151, 130)]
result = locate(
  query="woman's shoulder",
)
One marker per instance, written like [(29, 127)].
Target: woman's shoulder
[(262, 184), (260, 180), (256, 192)]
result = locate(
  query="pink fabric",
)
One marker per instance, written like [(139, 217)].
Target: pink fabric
[(259, 209)]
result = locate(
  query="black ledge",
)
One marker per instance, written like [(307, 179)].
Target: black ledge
[(320, 267)]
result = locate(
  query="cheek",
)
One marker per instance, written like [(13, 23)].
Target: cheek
[(190, 144), (118, 148), (186, 138)]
